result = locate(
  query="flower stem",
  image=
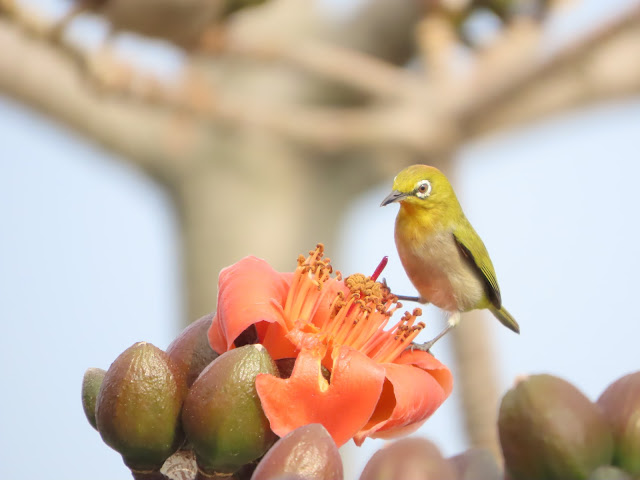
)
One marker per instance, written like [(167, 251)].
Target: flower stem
[(148, 475), (214, 476)]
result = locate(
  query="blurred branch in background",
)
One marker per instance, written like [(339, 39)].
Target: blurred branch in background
[(509, 83), (280, 108)]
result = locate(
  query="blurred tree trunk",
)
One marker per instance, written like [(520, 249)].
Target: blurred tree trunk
[(478, 388), (264, 197)]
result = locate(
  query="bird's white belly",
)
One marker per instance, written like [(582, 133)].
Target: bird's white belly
[(441, 275)]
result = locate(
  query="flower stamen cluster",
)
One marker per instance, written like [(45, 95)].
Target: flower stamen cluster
[(357, 316)]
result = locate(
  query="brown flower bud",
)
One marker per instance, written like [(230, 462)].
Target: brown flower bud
[(550, 431), (620, 403), (222, 415), (415, 458), (476, 464), (306, 453), (90, 387), (138, 407), (191, 350)]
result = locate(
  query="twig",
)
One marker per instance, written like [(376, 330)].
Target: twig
[(149, 475), (36, 26), (428, 120), (350, 67), (534, 72), (324, 127)]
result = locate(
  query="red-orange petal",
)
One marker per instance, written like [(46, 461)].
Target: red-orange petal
[(411, 394), (277, 343), (249, 291), (217, 339), (343, 407), (431, 364)]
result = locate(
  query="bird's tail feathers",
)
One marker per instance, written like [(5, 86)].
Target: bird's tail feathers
[(505, 318)]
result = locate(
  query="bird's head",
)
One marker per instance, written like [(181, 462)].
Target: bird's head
[(422, 186)]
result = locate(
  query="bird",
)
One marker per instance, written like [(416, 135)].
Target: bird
[(440, 251)]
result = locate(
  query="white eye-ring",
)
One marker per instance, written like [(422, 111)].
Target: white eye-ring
[(423, 189)]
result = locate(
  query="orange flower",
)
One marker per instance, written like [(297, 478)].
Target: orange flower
[(376, 388)]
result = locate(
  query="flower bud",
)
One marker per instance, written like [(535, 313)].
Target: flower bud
[(138, 407), (476, 464), (415, 458), (608, 472), (620, 403), (306, 453), (191, 350), (550, 431), (222, 415), (90, 387)]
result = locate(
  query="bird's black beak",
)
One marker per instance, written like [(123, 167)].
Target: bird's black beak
[(394, 196)]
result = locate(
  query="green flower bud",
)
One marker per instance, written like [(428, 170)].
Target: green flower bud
[(608, 472), (476, 464), (90, 387), (620, 403), (409, 458), (191, 350), (550, 431), (138, 407), (222, 415), (306, 453)]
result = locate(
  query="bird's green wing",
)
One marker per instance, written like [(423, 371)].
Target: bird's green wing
[(472, 248)]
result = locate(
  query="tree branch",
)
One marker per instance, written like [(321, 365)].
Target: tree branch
[(39, 74), (598, 67), (349, 67), (70, 97), (428, 117)]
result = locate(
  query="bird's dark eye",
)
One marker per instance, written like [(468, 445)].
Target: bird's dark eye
[(423, 189)]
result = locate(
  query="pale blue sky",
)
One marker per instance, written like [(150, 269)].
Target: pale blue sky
[(89, 265)]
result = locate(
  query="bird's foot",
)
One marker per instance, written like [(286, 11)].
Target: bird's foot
[(423, 347), (408, 298), (405, 298)]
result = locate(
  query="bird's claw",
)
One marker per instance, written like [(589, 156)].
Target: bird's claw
[(408, 298), (423, 347)]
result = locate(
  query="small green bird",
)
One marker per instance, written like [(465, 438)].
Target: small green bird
[(442, 254)]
